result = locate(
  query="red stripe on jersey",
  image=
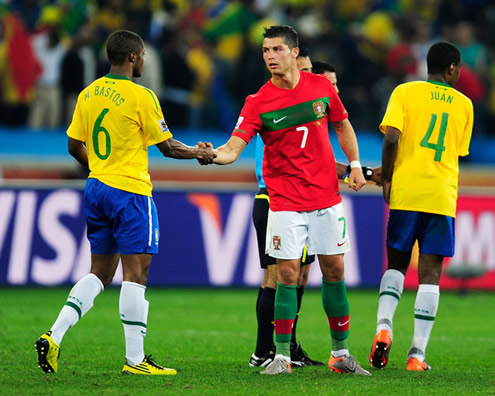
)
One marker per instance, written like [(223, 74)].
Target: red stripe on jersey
[(283, 326), (339, 324)]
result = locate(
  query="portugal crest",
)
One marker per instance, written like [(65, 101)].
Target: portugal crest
[(319, 108), (277, 244)]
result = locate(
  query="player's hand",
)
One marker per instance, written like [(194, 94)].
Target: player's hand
[(206, 153), (387, 184), (356, 179), (377, 176)]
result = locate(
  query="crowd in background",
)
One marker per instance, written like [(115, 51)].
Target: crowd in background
[(203, 57)]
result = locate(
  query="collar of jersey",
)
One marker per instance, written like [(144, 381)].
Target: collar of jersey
[(116, 77), (438, 83)]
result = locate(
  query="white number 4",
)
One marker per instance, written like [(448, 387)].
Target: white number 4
[(305, 136)]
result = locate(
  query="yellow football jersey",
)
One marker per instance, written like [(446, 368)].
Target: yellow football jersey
[(118, 120), (436, 123)]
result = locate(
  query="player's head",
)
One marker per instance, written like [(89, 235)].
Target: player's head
[(444, 58), (303, 60), (328, 70), (280, 48), (126, 46)]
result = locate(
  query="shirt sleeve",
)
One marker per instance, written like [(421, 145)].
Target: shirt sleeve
[(152, 120), (76, 129), (468, 131), (249, 122), (394, 115), (337, 109)]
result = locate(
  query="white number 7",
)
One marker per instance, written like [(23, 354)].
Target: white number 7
[(305, 136)]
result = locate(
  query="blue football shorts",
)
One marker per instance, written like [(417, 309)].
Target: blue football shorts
[(435, 233), (119, 221)]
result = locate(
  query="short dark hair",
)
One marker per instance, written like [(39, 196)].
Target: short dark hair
[(303, 52), (287, 32), (320, 67), (120, 44), (441, 55)]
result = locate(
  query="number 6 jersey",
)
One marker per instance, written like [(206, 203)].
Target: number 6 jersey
[(298, 162), (118, 120), (436, 123)]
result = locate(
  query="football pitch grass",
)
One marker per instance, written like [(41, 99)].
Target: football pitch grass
[(208, 335)]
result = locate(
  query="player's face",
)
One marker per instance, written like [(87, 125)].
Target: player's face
[(304, 64), (278, 57), (138, 68), (332, 77)]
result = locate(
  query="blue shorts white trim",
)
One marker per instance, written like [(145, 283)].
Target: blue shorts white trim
[(119, 221), (435, 233)]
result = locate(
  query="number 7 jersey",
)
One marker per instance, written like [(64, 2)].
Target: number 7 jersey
[(436, 123), (118, 120), (298, 162)]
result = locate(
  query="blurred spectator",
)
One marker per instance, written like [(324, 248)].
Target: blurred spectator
[(78, 70), (19, 70), (46, 111), (177, 79)]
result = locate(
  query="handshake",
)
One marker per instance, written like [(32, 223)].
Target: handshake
[(206, 154)]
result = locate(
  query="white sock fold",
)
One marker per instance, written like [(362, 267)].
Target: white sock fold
[(79, 302), (391, 288), (133, 309)]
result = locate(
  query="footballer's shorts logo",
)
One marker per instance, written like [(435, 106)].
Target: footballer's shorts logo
[(277, 244)]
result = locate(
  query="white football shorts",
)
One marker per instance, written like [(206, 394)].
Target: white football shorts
[(324, 231)]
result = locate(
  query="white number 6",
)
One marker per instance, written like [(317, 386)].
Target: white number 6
[(305, 136)]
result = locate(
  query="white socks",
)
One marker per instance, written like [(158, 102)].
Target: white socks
[(425, 310), (79, 302), (134, 315), (391, 287)]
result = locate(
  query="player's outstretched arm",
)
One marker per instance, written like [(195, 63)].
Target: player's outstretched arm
[(175, 149), (348, 142), (389, 153), (78, 150), (230, 151)]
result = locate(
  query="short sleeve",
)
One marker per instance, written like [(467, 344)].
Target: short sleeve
[(337, 110), (394, 115), (76, 129), (468, 130), (152, 120), (249, 121)]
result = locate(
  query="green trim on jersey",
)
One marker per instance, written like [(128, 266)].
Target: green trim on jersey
[(153, 96), (439, 83), (116, 77), (291, 116)]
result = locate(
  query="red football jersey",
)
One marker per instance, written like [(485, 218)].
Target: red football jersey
[(298, 165)]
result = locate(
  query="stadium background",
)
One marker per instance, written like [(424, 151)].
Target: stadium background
[(203, 58)]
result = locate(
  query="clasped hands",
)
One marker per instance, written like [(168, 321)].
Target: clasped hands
[(207, 155)]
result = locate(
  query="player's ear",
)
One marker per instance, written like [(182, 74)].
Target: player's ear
[(132, 57), (295, 50)]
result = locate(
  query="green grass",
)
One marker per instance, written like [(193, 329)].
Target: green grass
[(209, 334)]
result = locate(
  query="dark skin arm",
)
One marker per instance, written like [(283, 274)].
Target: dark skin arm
[(78, 150), (389, 153), (175, 149)]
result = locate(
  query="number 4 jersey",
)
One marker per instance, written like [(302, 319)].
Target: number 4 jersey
[(436, 123), (118, 120), (298, 162)]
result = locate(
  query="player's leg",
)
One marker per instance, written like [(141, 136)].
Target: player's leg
[(104, 261), (137, 238), (436, 240), (298, 355), (286, 235), (328, 238), (401, 235), (265, 348)]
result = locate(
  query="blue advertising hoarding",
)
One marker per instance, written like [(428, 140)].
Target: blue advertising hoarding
[(207, 239)]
